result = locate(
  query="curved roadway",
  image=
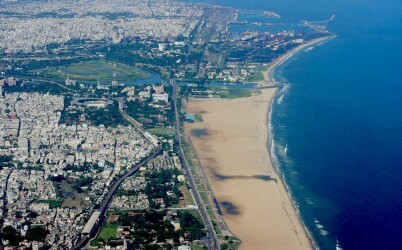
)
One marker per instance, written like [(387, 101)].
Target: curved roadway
[(106, 200)]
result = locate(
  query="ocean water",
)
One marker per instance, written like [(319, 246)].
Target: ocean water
[(341, 119), (337, 126)]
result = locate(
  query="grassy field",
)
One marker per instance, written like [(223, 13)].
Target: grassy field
[(107, 232), (187, 198), (52, 203), (198, 247), (204, 197), (161, 131), (258, 76), (233, 92), (91, 71)]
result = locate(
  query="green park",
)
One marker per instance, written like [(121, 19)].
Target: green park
[(91, 71)]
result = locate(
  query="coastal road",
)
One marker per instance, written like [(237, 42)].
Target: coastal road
[(225, 230), (212, 237)]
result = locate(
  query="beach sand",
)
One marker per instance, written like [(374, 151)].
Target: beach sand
[(231, 143)]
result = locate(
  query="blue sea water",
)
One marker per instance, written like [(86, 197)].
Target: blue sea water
[(337, 126)]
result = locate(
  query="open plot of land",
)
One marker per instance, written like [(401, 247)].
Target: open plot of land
[(75, 201), (52, 203), (197, 247), (187, 198), (91, 71), (161, 131), (108, 231), (257, 77)]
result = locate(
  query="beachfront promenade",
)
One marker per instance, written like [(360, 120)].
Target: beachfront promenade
[(211, 235)]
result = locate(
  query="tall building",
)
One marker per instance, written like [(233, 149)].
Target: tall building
[(35, 245), (158, 89), (11, 81), (70, 82), (114, 80)]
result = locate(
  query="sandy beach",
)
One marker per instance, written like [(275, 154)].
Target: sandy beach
[(231, 143), (232, 146)]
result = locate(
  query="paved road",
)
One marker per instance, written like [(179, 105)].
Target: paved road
[(122, 110), (106, 200), (212, 237), (213, 240), (225, 230), (4, 205)]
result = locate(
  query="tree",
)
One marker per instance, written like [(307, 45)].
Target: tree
[(224, 246), (11, 235), (32, 214), (37, 233)]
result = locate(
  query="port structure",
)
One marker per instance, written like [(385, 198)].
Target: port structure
[(319, 26)]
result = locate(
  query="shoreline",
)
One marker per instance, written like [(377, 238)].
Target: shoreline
[(268, 74), (231, 143), (275, 164), (224, 149), (269, 78)]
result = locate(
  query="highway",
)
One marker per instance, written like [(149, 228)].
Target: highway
[(4, 205), (122, 110), (106, 200), (212, 237)]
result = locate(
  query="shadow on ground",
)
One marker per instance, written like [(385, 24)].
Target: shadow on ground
[(200, 133), (230, 208), (243, 177)]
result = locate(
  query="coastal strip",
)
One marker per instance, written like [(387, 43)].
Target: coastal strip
[(269, 73), (231, 143)]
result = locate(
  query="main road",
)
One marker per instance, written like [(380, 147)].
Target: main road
[(106, 200), (213, 241), (4, 205), (212, 237), (103, 207)]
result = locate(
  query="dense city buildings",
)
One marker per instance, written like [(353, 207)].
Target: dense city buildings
[(29, 26), (93, 97), (47, 152)]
